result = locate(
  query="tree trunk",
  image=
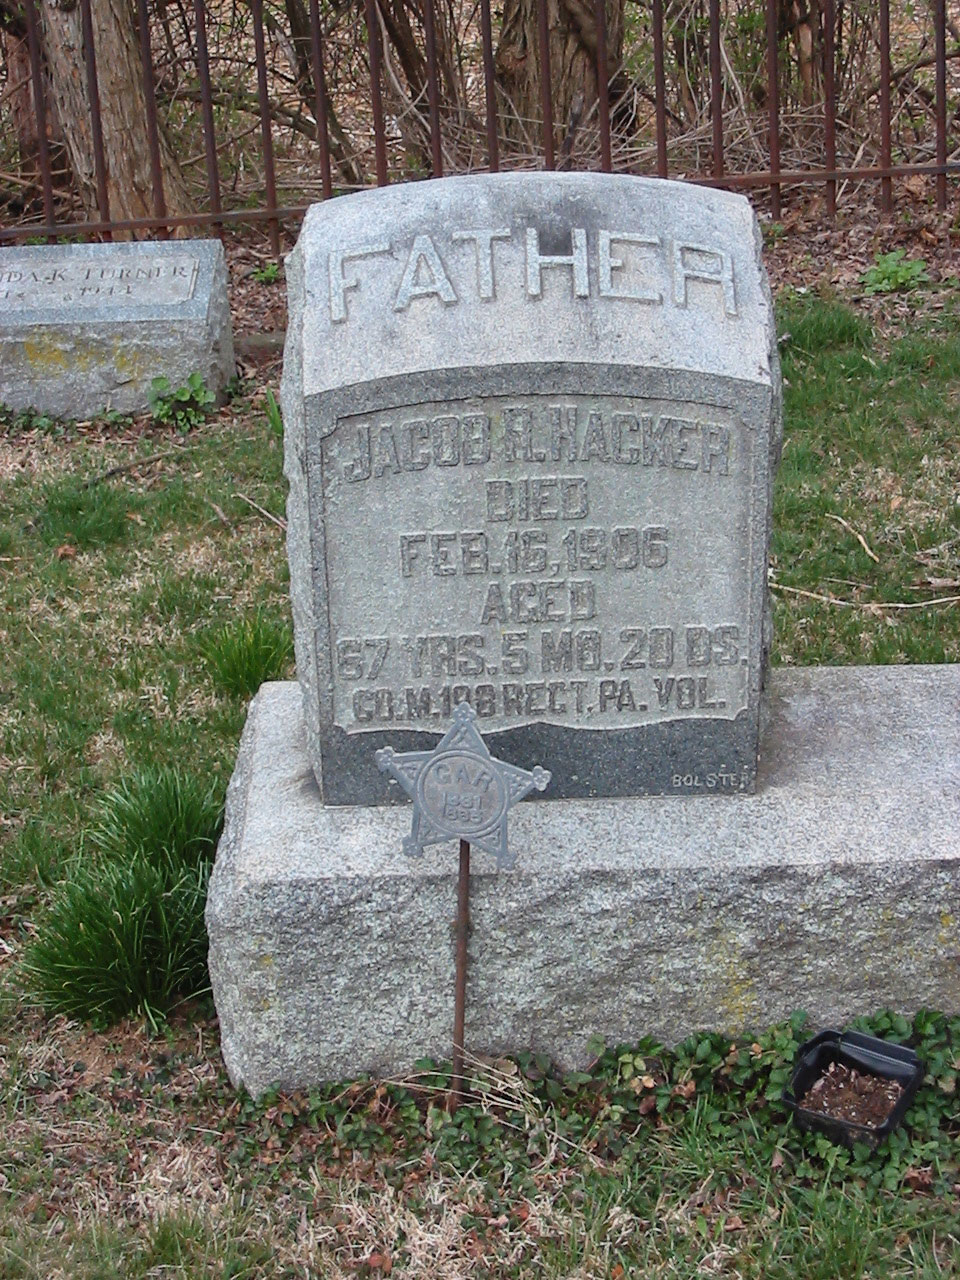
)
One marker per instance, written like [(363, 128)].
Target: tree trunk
[(573, 63), (298, 20), (122, 109), (802, 20), (686, 33), (20, 98)]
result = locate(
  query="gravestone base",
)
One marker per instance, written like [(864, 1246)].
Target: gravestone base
[(833, 889)]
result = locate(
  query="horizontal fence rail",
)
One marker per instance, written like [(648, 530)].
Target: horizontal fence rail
[(213, 115)]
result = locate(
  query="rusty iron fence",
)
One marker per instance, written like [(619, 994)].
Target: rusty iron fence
[(372, 91)]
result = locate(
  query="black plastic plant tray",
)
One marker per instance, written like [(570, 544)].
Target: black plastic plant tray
[(863, 1053)]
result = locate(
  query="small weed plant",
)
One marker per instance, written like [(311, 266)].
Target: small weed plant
[(274, 416), (894, 272), (243, 654), (183, 407), (269, 273), (15, 422)]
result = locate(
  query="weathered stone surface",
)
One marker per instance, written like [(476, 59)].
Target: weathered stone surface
[(86, 327), (531, 424), (834, 889)]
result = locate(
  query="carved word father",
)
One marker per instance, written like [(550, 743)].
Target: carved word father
[(426, 274)]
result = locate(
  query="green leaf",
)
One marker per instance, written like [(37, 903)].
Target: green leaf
[(574, 1078)]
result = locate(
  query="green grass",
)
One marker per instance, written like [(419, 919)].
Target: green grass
[(124, 933), (160, 811), (541, 1174), (87, 518), (870, 449), (243, 654), (123, 937), (811, 326), (103, 665)]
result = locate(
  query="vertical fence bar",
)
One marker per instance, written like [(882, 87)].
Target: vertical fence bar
[(773, 106), (376, 97), (40, 110), (150, 100), (546, 94), (96, 124), (490, 88), (320, 98), (660, 88), (716, 89), (940, 36), (830, 101), (266, 134), (603, 87), (206, 107), (886, 149), (433, 88)]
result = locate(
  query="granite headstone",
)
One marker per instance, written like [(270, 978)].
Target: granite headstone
[(531, 427), (86, 328)]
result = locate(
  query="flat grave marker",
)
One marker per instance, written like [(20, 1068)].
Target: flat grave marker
[(87, 327)]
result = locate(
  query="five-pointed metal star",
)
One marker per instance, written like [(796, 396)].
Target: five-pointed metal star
[(459, 790)]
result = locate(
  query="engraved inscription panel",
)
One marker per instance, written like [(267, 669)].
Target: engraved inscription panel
[(74, 281), (562, 559)]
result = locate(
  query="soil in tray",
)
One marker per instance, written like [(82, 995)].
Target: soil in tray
[(847, 1094)]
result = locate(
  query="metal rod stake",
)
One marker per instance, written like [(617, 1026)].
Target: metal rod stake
[(460, 1004)]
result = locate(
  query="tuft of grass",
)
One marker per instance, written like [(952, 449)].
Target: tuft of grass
[(243, 654), (125, 934), (160, 812), (122, 938), (87, 517), (811, 325), (274, 416)]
